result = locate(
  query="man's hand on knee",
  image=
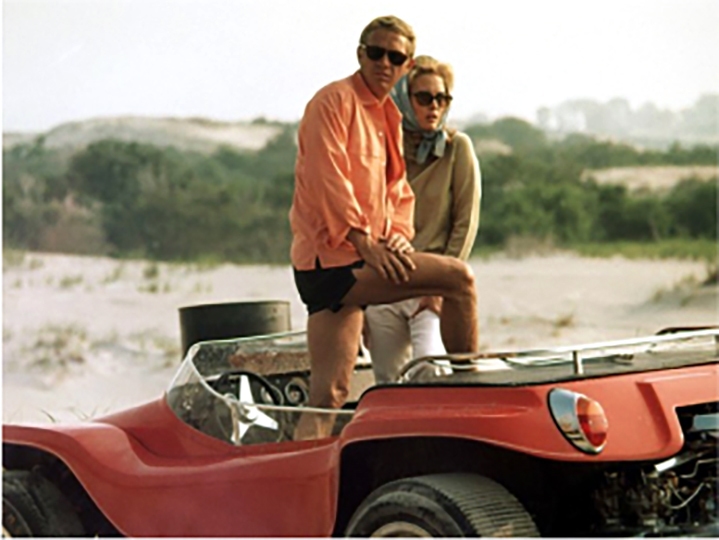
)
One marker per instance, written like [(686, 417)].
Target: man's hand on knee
[(393, 266)]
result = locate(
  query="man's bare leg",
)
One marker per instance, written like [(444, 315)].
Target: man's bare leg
[(332, 338), (332, 341), (459, 325), (434, 275)]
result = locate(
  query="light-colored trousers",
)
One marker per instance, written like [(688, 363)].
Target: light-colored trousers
[(395, 337)]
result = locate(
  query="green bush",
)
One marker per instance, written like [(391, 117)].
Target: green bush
[(134, 199), (692, 208)]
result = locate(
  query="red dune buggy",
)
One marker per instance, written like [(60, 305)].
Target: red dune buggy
[(615, 438)]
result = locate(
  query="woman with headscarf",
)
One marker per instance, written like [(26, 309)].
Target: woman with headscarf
[(443, 170)]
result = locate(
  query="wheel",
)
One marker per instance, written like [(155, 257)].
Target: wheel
[(247, 392), (246, 385), (441, 505), (32, 506)]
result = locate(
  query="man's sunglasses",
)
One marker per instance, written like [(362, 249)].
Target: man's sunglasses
[(375, 53), (425, 99)]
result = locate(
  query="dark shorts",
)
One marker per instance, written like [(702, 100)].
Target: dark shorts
[(324, 288)]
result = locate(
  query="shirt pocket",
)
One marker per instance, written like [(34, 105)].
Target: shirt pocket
[(364, 146)]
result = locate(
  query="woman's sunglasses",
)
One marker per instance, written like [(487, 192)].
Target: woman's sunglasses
[(375, 53), (425, 99)]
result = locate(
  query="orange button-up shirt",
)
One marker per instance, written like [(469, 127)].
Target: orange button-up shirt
[(349, 173)]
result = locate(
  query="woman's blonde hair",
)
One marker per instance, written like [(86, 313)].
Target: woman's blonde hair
[(426, 65)]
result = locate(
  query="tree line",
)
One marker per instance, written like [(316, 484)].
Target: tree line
[(647, 124), (137, 200)]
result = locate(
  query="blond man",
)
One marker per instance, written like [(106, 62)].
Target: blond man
[(352, 221)]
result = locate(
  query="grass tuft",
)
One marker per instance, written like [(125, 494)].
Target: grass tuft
[(67, 282), (12, 258), (57, 347), (117, 273), (151, 271)]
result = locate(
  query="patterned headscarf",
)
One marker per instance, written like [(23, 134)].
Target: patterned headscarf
[(433, 142)]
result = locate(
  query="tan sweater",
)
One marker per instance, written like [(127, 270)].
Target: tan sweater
[(448, 192)]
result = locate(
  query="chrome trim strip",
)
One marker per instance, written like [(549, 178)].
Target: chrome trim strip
[(575, 354)]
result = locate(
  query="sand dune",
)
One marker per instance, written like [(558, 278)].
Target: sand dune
[(192, 134), (84, 336), (653, 178)]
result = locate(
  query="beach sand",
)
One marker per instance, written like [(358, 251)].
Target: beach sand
[(86, 336)]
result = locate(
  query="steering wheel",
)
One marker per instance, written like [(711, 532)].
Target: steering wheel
[(248, 387), (244, 391)]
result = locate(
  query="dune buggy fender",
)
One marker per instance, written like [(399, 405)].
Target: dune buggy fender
[(149, 495)]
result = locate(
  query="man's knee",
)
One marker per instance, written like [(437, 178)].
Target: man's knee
[(463, 278)]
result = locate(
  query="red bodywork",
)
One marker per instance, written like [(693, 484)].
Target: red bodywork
[(152, 475)]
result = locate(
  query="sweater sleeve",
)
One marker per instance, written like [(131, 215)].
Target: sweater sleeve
[(466, 196)]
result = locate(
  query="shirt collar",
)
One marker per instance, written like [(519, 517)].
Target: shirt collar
[(363, 92)]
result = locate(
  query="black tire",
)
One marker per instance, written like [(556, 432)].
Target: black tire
[(32, 506), (441, 505)]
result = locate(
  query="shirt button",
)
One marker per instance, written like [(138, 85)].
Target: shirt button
[(381, 134)]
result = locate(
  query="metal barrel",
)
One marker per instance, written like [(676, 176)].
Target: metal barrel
[(206, 322)]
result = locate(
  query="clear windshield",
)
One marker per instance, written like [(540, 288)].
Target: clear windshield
[(246, 390)]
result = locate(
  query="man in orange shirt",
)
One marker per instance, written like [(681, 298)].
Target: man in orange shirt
[(352, 222)]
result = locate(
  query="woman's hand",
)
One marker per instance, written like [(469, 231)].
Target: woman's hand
[(399, 244)]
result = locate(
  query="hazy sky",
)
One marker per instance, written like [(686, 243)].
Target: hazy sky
[(237, 60)]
